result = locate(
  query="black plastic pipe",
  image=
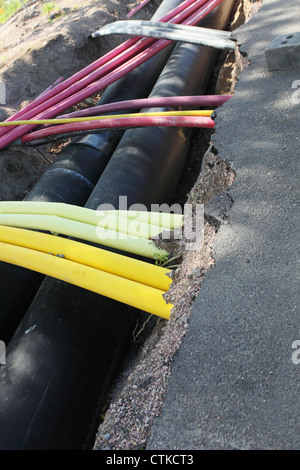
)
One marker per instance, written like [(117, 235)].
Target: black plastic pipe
[(148, 162), (70, 344), (71, 179)]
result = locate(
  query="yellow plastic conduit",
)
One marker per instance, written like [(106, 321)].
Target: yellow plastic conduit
[(123, 290), (107, 219), (97, 118), (59, 225), (123, 266)]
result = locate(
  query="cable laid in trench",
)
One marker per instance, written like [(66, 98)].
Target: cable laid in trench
[(109, 285), (107, 79), (73, 120), (137, 8), (188, 6), (68, 95), (75, 339), (178, 101), (150, 223), (87, 157), (124, 123), (81, 253), (57, 225), (192, 34)]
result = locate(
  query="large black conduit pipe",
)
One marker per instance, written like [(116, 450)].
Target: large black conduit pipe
[(148, 162), (71, 179), (67, 349)]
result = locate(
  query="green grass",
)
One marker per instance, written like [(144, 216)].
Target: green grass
[(8, 8), (48, 7)]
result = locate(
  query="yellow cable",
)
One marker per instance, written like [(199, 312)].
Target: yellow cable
[(109, 285), (97, 118), (81, 253), (99, 235)]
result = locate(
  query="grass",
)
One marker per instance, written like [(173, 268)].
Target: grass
[(52, 7), (8, 8), (48, 7)]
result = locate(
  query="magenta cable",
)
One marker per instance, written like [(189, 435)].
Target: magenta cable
[(46, 105), (91, 89), (19, 131), (110, 64), (59, 80), (174, 101), (77, 86), (173, 121), (42, 101), (137, 8), (204, 11), (103, 82), (82, 84), (184, 8)]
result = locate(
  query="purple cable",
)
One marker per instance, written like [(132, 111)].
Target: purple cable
[(174, 101)]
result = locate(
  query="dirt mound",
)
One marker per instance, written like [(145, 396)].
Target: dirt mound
[(43, 42), (39, 44)]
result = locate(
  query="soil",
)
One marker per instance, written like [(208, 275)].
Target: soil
[(35, 50)]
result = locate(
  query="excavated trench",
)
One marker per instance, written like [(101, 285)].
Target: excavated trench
[(138, 394), (127, 391)]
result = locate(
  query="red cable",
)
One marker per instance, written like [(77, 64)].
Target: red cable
[(111, 123)]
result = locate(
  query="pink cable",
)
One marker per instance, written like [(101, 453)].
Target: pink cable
[(175, 101), (169, 121), (19, 131), (105, 81), (50, 96), (181, 9), (91, 89), (59, 80), (109, 64), (199, 15), (138, 8)]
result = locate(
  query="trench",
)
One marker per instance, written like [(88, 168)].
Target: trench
[(137, 396), (82, 407)]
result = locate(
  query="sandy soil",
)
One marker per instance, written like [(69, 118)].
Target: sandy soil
[(36, 50)]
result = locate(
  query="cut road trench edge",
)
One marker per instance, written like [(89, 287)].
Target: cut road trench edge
[(138, 395)]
